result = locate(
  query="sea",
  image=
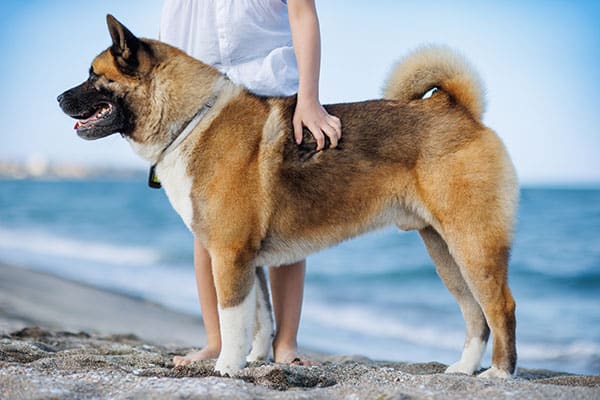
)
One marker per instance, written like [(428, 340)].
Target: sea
[(377, 295)]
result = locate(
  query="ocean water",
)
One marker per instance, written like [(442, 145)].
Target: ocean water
[(377, 295)]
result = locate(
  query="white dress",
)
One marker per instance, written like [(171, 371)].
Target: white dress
[(248, 40)]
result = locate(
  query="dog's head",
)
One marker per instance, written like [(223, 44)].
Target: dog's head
[(141, 88), (103, 103)]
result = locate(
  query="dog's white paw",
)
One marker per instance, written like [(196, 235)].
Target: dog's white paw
[(462, 367), (261, 345), (495, 373), (237, 325), (228, 367), (259, 353), (470, 359)]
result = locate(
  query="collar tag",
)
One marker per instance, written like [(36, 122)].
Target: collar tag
[(153, 181)]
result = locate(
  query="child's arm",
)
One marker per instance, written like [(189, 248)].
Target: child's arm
[(304, 26)]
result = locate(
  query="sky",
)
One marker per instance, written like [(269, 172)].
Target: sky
[(540, 61)]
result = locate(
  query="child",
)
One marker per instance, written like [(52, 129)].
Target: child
[(272, 47)]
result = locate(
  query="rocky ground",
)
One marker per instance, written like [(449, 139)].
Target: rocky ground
[(38, 363)]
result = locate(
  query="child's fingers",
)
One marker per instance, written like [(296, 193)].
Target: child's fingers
[(318, 135), (298, 127), (336, 123), (333, 136)]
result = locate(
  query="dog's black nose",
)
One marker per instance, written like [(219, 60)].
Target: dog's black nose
[(60, 97)]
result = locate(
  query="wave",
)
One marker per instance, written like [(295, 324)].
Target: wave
[(574, 350), (49, 244), (365, 321), (367, 324), (588, 278)]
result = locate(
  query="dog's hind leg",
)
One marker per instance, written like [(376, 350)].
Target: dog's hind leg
[(263, 328), (477, 328), (472, 195), (236, 294), (482, 253)]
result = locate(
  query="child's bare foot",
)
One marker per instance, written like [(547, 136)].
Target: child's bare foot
[(206, 353), (289, 355)]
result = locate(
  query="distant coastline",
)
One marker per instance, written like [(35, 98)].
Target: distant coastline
[(39, 168)]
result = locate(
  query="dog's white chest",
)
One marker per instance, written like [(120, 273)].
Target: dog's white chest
[(177, 183)]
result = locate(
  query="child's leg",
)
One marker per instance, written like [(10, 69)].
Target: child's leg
[(208, 304), (287, 287)]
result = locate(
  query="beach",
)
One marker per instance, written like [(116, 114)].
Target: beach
[(66, 340), (388, 302)]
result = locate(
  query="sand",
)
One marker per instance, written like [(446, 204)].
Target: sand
[(63, 340)]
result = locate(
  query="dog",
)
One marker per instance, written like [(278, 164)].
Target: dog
[(230, 167)]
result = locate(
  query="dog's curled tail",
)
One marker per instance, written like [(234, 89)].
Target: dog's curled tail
[(439, 67)]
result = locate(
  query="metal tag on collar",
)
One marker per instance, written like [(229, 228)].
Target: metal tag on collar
[(153, 181)]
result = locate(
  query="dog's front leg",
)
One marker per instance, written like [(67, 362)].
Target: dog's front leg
[(236, 294)]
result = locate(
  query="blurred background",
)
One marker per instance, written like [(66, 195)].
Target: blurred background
[(81, 209)]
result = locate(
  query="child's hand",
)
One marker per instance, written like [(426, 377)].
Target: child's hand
[(312, 115)]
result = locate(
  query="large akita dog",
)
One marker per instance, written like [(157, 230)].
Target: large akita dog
[(230, 167)]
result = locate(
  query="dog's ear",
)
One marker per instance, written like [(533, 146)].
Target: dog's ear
[(125, 46)]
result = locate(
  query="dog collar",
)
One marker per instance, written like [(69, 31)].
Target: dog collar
[(153, 180)]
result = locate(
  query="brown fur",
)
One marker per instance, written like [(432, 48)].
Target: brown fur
[(425, 164)]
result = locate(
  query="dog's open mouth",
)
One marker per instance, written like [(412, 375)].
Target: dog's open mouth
[(88, 121)]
